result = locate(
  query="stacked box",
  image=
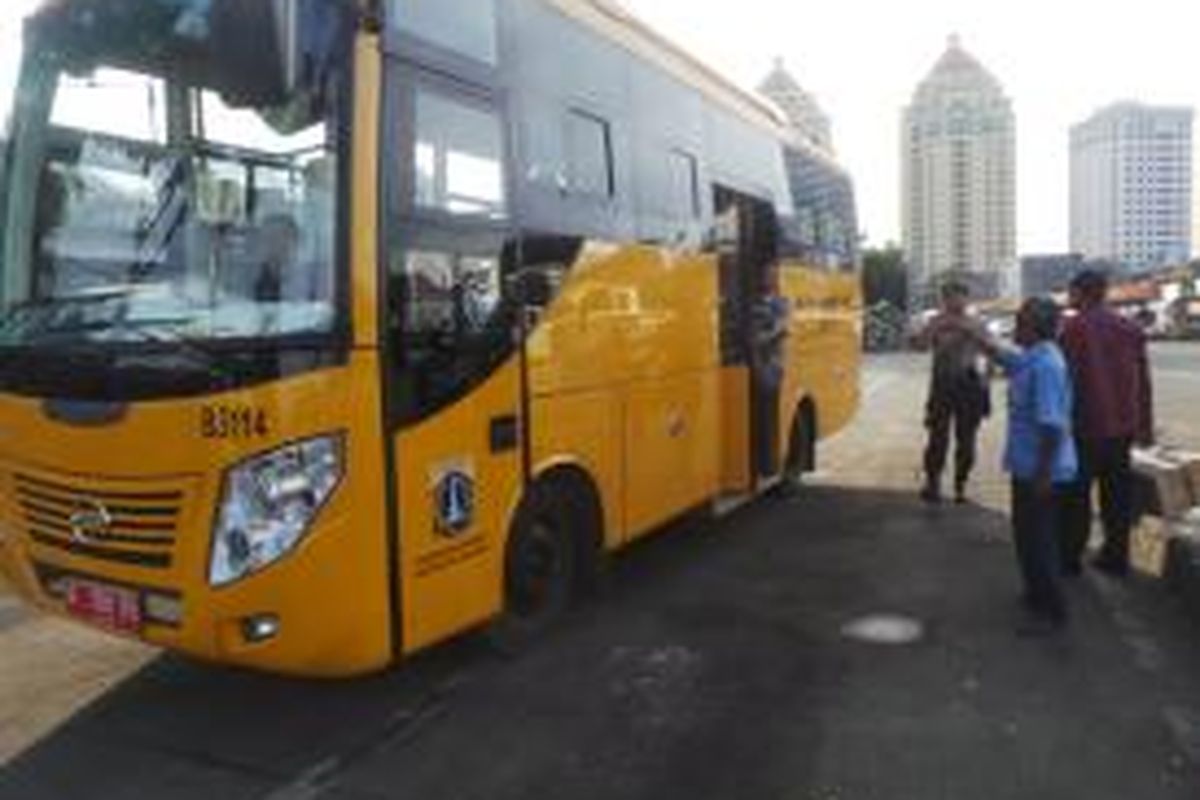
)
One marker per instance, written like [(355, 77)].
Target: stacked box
[(1149, 546), (1191, 463), (1169, 482)]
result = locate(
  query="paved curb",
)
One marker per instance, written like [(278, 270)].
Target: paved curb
[(1182, 568)]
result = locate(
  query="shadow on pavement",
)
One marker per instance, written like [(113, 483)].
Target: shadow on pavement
[(712, 666)]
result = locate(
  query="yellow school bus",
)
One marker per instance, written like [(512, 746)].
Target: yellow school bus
[(332, 329)]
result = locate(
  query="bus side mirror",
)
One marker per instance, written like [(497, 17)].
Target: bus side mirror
[(263, 53), (534, 288), (253, 50)]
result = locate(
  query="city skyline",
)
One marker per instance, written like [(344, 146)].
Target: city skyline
[(861, 59)]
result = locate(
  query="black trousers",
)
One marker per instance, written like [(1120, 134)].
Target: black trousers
[(960, 409), (1034, 519), (1108, 464)]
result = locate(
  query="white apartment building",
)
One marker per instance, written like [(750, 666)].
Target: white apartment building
[(958, 182), (1131, 185)]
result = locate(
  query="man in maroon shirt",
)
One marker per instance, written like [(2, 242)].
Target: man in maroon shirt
[(1113, 410)]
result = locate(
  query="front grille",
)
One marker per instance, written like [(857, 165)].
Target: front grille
[(126, 526)]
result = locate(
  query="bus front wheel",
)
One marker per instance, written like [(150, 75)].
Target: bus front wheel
[(540, 570)]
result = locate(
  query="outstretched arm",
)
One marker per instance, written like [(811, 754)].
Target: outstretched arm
[(992, 347)]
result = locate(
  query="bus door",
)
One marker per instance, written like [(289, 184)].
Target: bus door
[(745, 241), (453, 375)]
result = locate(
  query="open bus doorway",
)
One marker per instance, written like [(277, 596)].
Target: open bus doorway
[(752, 330)]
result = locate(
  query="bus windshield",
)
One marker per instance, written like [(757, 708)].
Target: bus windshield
[(141, 210)]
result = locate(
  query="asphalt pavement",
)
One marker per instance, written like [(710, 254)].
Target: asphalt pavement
[(724, 659), (1176, 368)]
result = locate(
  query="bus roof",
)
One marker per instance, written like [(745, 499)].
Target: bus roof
[(612, 20)]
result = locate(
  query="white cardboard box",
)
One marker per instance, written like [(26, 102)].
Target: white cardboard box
[(1169, 474)]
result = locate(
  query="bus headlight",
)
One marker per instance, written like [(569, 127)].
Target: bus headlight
[(268, 504)]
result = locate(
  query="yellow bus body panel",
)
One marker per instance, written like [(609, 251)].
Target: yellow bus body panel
[(623, 375), (450, 581), (329, 594), (823, 347)]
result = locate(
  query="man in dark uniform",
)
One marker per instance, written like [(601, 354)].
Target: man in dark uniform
[(959, 398), (1115, 410)]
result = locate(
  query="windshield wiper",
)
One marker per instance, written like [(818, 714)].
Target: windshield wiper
[(171, 339), (33, 314)]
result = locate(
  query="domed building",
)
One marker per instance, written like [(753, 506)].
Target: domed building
[(958, 139), (804, 115)]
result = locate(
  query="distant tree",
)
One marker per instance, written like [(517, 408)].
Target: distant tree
[(885, 277)]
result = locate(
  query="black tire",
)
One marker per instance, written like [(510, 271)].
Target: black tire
[(541, 573), (801, 451)]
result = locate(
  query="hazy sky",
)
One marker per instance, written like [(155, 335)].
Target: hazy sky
[(1058, 61)]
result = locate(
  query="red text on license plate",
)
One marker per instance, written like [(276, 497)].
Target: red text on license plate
[(108, 607)]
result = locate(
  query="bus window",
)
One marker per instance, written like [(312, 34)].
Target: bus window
[(683, 186), (589, 155), (449, 325), (458, 157), (215, 226)]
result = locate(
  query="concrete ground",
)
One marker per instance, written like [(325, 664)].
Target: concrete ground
[(1177, 380), (717, 664)]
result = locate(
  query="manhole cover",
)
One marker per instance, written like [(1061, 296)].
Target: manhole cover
[(889, 629)]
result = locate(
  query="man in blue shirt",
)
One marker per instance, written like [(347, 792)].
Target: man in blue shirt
[(1039, 455)]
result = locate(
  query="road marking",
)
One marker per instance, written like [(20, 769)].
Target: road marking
[(310, 784), (402, 726)]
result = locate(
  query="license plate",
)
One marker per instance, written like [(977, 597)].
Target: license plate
[(108, 607)]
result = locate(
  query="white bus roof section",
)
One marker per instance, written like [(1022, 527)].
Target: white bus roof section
[(616, 23)]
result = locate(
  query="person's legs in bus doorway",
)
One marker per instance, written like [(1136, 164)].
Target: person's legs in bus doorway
[(766, 421)]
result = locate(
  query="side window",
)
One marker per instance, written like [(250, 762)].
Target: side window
[(448, 324), (683, 177), (448, 293), (589, 155), (467, 27), (448, 321), (458, 157)]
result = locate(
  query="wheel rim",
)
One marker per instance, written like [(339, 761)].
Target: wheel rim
[(540, 571)]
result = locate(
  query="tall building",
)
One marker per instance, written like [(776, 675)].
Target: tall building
[(1131, 185), (958, 179), (804, 115), (1052, 273)]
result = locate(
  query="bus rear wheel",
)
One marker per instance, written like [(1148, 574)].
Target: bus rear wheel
[(540, 573), (801, 457)]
